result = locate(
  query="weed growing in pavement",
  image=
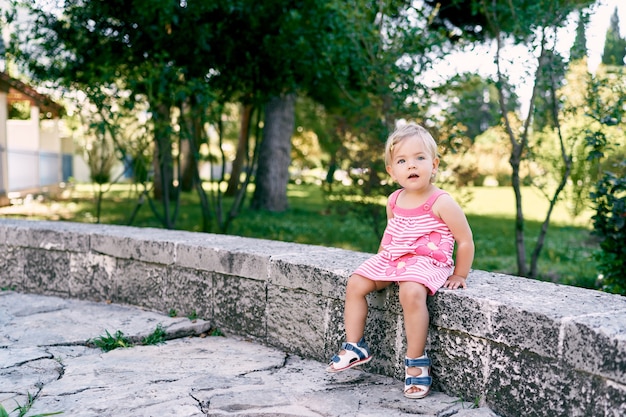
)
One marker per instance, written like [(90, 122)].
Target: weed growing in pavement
[(216, 332), (157, 337), (108, 342), (193, 316), (23, 409), (462, 401), (172, 313), (118, 340)]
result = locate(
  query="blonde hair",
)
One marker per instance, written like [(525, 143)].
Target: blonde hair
[(409, 130)]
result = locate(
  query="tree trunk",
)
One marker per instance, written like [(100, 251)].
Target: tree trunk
[(519, 214), (163, 165), (189, 147), (275, 155), (234, 182)]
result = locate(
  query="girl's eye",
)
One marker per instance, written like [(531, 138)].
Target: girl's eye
[(400, 161), (421, 158)]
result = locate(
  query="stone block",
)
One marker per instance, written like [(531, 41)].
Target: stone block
[(315, 269), (384, 333), (240, 305), (525, 384), (231, 255), (223, 261), (335, 331), (145, 244), (11, 267), (45, 271), (460, 310), (139, 283), (60, 236), (188, 292), (459, 362), (91, 276), (297, 321), (597, 343)]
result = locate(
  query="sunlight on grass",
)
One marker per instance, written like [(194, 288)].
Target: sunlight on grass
[(500, 202)]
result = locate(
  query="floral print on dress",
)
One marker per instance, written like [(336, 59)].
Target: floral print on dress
[(398, 266), (431, 245)]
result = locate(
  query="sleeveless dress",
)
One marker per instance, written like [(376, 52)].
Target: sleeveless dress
[(417, 246)]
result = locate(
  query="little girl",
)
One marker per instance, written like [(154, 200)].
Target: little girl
[(423, 224)]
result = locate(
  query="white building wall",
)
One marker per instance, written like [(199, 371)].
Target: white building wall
[(22, 135)]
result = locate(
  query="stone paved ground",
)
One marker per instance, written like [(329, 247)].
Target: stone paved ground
[(44, 353)]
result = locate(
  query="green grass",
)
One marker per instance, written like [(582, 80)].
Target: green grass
[(313, 218)]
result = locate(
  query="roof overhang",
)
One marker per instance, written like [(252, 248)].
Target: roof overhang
[(19, 91)]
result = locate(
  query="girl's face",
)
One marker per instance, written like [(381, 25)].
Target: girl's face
[(412, 165)]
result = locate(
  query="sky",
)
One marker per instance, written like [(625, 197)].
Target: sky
[(480, 60), (598, 26)]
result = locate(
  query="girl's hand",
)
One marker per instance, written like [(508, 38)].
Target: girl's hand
[(455, 281)]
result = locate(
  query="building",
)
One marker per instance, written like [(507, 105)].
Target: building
[(34, 158)]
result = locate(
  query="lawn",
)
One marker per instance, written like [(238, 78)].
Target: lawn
[(315, 219)]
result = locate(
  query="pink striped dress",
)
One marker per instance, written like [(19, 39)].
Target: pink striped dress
[(417, 246)]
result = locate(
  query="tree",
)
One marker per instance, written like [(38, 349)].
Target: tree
[(579, 48), (332, 52), (473, 103), (544, 19), (614, 45), (533, 24), (118, 48)]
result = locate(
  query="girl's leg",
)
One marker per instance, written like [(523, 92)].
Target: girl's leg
[(355, 310), (355, 314), (413, 300)]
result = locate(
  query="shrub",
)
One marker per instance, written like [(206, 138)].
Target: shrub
[(609, 225)]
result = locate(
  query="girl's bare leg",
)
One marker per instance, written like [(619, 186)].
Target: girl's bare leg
[(355, 310), (413, 301)]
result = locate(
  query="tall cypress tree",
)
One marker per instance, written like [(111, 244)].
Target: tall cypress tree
[(614, 44), (579, 48)]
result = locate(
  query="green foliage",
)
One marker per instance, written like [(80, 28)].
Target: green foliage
[(473, 103), (155, 338), (109, 342), (614, 45), (216, 332), (19, 110), (609, 224), (22, 410)]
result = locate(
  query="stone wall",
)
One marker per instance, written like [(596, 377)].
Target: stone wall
[(522, 347)]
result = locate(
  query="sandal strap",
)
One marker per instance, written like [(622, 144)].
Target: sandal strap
[(425, 381), (359, 348), (417, 362)]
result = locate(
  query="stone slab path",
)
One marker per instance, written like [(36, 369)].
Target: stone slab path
[(48, 363)]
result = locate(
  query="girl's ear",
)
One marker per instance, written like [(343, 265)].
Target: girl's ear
[(435, 165), (390, 172)]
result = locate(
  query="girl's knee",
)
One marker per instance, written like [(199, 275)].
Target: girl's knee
[(413, 293), (359, 285)]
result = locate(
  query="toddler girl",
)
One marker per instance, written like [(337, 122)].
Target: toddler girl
[(423, 224)]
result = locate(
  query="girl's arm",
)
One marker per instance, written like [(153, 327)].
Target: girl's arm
[(452, 214), (389, 216)]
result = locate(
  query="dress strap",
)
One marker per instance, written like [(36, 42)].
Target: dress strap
[(394, 197), (431, 200)]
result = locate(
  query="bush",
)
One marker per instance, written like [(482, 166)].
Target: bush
[(609, 225)]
